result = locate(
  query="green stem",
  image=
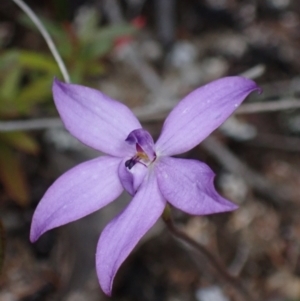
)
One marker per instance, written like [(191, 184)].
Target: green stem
[(29, 12)]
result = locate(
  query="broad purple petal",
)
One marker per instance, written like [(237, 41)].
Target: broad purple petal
[(77, 193), (189, 186), (144, 140), (94, 118), (201, 112), (131, 179), (123, 233)]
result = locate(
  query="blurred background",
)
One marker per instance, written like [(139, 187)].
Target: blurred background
[(149, 54)]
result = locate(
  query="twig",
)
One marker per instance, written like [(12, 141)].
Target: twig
[(31, 124), (165, 21), (147, 114), (157, 110), (282, 88), (113, 11), (269, 106), (279, 197), (2, 245), (254, 72), (46, 36), (232, 281), (279, 142), (129, 54), (240, 259), (148, 75)]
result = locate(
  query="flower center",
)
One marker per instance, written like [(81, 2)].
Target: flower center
[(139, 157), (144, 145)]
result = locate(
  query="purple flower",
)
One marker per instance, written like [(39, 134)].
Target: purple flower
[(137, 164)]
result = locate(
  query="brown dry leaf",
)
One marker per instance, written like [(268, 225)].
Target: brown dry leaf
[(12, 176), (286, 284), (23, 276), (258, 227)]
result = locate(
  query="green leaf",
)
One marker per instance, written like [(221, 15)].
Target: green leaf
[(13, 177), (88, 24), (20, 141), (95, 50), (114, 31), (103, 40), (38, 91), (10, 85), (94, 69), (8, 58), (10, 78), (37, 61), (55, 30), (77, 72)]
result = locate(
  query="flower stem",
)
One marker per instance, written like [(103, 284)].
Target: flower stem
[(29, 12), (229, 279)]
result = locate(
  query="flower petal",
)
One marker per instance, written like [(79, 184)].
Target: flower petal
[(188, 185), (123, 233), (94, 118), (131, 179), (201, 112), (144, 140), (77, 193)]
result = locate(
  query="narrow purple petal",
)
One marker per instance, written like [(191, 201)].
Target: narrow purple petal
[(201, 112), (131, 179), (77, 193), (94, 118), (189, 186), (123, 233)]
